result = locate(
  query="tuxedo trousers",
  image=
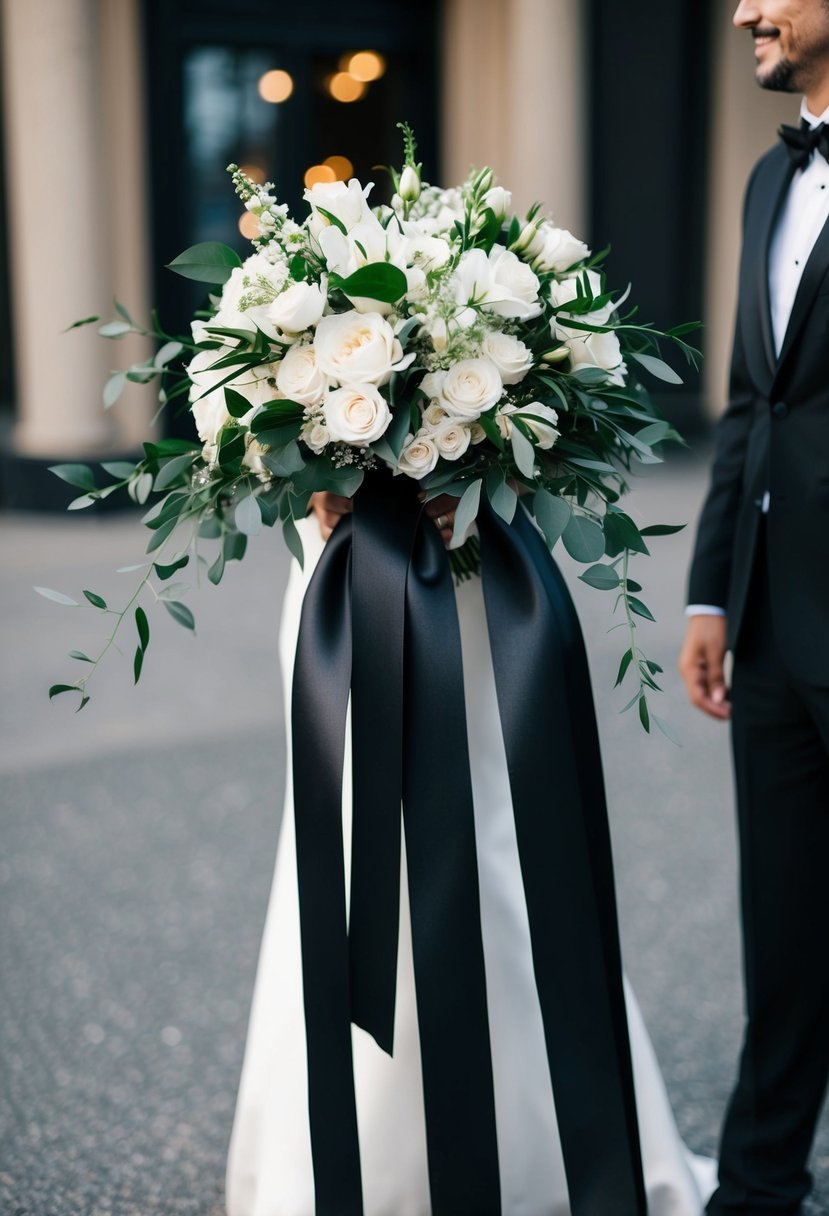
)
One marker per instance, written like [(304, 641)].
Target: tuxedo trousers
[(780, 738)]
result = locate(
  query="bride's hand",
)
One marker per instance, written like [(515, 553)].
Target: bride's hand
[(442, 511), (329, 510)]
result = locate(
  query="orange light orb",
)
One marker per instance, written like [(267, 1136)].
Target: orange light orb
[(275, 86), (254, 171), (249, 225), (343, 87), (342, 167), (317, 174), (367, 66)]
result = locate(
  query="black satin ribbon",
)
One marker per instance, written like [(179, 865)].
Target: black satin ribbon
[(387, 567)]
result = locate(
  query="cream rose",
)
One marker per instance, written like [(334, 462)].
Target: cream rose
[(512, 358), (357, 348), (356, 414), (297, 308), (470, 387), (348, 203), (452, 439), (543, 422), (516, 284), (419, 456), (298, 377), (316, 435), (600, 350)]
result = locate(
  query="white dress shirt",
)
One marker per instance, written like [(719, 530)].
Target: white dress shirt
[(802, 217)]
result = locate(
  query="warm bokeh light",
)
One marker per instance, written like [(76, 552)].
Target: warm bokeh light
[(254, 171), (342, 166), (366, 65), (343, 87), (276, 86), (249, 225), (317, 174)]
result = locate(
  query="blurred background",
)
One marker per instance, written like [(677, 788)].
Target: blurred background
[(138, 839)]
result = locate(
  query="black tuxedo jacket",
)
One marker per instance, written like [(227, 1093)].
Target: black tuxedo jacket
[(773, 436)]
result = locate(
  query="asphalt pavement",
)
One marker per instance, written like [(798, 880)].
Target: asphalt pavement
[(138, 840)]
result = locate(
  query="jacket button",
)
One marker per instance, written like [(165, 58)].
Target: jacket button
[(780, 409)]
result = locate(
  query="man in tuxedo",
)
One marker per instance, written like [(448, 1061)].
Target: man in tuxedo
[(759, 586)]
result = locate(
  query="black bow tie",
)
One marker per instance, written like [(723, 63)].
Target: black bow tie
[(802, 141)]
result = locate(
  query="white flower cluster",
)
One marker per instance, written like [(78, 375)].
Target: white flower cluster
[(477, 317)]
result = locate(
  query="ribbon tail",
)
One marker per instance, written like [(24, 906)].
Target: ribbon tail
[(546, 710), (319, 704), (444, 897)]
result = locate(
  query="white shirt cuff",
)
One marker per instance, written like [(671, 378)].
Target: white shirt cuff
[(704, 610)]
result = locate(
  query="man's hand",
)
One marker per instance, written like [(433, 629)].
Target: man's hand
[(442, 511), (701, 665), (329, 510)]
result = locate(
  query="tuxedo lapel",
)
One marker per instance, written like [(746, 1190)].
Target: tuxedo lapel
[(813, 273), (774, 176)]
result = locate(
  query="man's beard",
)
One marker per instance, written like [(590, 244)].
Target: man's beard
[(781, 79)]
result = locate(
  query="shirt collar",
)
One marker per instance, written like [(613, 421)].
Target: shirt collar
[(806, 113)]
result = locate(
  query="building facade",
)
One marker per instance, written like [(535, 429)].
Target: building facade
[(637, 124)]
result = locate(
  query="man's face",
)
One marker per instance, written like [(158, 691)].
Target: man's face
[(791, 42)]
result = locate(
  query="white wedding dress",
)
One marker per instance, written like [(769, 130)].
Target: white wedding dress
[(269, 1168)]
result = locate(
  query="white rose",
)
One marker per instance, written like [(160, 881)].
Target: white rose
[(297, 308), (409, 187), (543, 422), (207, 402), (559, 251), (419, 456), (471, 387), (434, 415), (477, 433), (357, 414), (356, 348), (498, 200), (299, 378), (427, 252), (348, 203), (252, 458), (316, 435), (249, 288), (600, 350), (432, 385), (452, 439), (512, 358), (518, 285)]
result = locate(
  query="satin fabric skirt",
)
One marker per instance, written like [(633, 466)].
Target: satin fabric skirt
[(269, 1168)]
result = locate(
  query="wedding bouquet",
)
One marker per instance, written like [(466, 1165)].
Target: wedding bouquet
[(479, 353)]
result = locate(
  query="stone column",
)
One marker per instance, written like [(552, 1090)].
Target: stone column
[(513, 98), (74, 162)]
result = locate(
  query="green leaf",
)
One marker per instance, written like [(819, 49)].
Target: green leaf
[(171, 447), (234, 546), (390, 446), (492, 431), (231, 449), (504, 500), (667, 730), (332, 219), (57, 689), (95, 600), (172, 470), (113, 389), (237, 405), (376, 281), (466, 511), (655, 433), (661, 529), (168, 352), (284, 461), (84, 321), (161, 535), (207, 262), (57, 597), (141, 488), (164, 572), (114, 329), (552, 515), (137, 664), (293, 540), (627, 659), (604, 578), (523, 451), (644, 716), (79, 475), (297, 267), (143, 627), (247, 516), (173, 591), (85, 500), (583, 539), (80, 656), (620, 532), (118, 468), (217, 570), (640, 609), (181, 613), (658, 368)]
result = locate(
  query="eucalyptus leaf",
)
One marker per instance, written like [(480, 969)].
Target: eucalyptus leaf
[(173, 591), (165, 572), (639, 608), (523, 451), (657, 367), (662, 529), (627, 659), (57, 689), (114, 329), (96, 600), (172, 470), (552, 515), (57, 597), (206, 262), (118, 468), (644, 716), (137, 664), (247, 516), (504, 500), (667, 730), (168, 352), (181, 613), (80, 656), (465, 513), (293, 540), (113, 388), (603, 578), (161, 535), (583, 539), (85, 500), (79, 475), (216, 571)]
